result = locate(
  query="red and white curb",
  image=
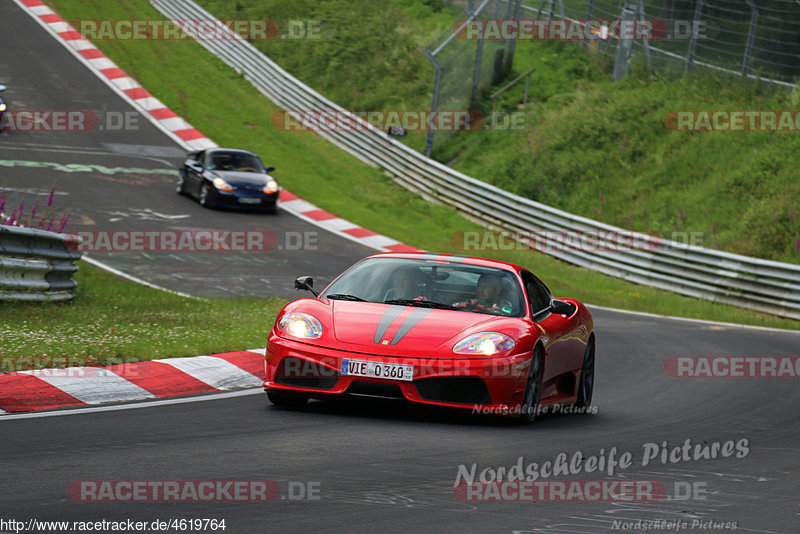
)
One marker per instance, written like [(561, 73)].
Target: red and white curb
[(45, 389), (183, 133)]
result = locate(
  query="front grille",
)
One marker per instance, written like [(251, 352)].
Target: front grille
[(305, 374), (375, 389), (455, 389)]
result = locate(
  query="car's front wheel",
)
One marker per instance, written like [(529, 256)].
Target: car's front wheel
[(285, 400), (533, 389), (205, 197), (586, 383), (181, 184)]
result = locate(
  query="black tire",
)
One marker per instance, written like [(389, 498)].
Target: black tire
[(533, 389), (205, 197), (586, 382), (285, 400)]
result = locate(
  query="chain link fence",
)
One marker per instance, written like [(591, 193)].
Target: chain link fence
[(753, 38), (464, 68)]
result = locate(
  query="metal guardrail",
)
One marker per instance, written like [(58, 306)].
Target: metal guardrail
[(37, 265), (762, 285)]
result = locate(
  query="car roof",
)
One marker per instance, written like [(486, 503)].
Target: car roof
[(231, 150), (453, 258)]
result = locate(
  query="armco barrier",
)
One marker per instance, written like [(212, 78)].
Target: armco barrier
[(753, 283), (37, 265)]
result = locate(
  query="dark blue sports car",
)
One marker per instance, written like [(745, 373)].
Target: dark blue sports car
[(228, 177)]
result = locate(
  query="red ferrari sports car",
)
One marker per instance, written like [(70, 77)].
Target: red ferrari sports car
[(438, 329)]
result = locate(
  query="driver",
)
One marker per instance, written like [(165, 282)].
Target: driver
[(488, 297)]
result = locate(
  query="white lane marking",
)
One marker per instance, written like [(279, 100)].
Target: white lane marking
[(262, 352), (216, 372), (693, 320), (147, 404), (126, 276), (299, 206), (91, 385), (150, 103)]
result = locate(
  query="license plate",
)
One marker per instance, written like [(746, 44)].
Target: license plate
[(387, 371), (247, 200)]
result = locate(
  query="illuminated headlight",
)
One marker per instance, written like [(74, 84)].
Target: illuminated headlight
[(2, 107), (271, 187), (222, 185), (486, 343), (300, 325)]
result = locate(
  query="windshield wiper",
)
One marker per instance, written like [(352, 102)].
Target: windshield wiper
[(420, 303), (343, 296)]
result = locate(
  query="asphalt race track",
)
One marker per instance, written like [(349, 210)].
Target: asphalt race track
[(379, 466), (122, 178), (368, 465)]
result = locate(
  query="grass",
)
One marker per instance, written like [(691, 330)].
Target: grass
[(590, 146), (229, 110), (115, 321)]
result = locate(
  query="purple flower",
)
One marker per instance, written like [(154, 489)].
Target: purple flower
[(777, 215), (791, 215), (681, 210), (62, 223), (50, 198), (704, 212), (644, 212), (676, 227), (714, 230), (34, 210), (50, 224), (596, 210), (601, 197), (629, 222)]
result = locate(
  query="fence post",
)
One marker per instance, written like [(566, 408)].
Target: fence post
[(437, 82), (589, 13), (476, 74), (624, 47), (751, 35), (698, 12)]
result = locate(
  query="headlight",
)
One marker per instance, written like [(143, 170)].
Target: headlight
[(2, 107), (486, 343), (271, 187), (222, 185), (300, 325)]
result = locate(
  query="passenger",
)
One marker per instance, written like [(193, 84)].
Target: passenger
[(407, 283)]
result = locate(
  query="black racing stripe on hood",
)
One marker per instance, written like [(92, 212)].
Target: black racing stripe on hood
[(416, 316), (386, 321)]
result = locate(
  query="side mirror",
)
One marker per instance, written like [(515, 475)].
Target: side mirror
[(561, 307), (269, 169), (307, 283)]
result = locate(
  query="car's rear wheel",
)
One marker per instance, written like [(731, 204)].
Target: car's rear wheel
[(533, 389), (286, 400), (586, 383)]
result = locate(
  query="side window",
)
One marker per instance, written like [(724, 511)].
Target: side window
[(538, 295), (199, 156)]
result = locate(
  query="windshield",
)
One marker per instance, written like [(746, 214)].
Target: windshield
[(234, 161), (424, 283)]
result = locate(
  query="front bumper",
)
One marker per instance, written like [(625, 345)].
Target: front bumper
[(492, 385)]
